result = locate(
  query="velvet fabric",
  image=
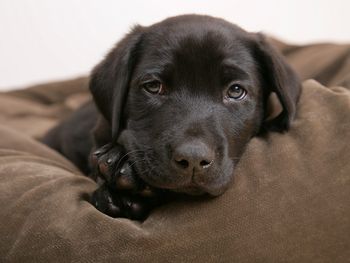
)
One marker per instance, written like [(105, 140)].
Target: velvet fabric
[(289, 201)]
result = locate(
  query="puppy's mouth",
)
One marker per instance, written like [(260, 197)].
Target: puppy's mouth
[(148, 168), (208, 183), (190, 186)]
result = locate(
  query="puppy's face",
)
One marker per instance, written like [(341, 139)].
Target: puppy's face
[(196, 94)]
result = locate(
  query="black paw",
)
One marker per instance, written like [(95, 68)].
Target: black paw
[(122, 193), (117, 204)]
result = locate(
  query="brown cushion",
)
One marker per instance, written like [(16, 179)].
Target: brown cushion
[(36, 109), (328, 63), (289, 202)]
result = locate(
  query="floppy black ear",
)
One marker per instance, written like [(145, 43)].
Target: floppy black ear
[(109, 80), (280, 78)]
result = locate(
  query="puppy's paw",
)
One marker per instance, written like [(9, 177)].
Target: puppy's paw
[(117, 204), (122, 193)]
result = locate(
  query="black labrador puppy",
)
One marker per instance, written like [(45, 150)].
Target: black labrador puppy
[(177, 102)]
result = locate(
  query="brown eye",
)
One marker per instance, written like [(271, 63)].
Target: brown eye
[(236, 92), (153, 87)]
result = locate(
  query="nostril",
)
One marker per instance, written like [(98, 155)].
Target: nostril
[(183, 163), (205, 164)]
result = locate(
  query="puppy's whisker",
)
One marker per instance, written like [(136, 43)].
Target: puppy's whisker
[(149, 172), (125, 155), (137, 161)]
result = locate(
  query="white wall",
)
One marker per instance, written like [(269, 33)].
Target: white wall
[(45, 39)]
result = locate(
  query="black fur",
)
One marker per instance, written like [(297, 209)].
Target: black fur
[(167, 135)]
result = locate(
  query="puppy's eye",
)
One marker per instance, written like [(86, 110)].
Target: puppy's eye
[(236, 92), (153, 87)]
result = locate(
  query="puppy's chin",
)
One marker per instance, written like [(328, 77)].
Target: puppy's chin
[(190, 190), (196, 191)]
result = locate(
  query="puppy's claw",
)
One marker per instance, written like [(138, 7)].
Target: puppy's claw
[(113, 210), (97, 152), (126, 179)]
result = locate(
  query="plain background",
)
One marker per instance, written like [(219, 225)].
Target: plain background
[(43, 40)]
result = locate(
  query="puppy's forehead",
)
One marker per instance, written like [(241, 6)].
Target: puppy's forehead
[(196, 25), (193, 36)]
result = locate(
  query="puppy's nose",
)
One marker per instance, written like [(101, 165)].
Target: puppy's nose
[(193, 155)]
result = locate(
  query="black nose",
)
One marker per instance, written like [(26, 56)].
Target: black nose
[(193, 155)]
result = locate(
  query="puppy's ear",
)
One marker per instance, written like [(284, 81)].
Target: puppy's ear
[(279, 78), (109, 80)]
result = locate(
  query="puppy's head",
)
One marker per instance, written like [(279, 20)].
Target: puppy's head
[(185, 96)]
